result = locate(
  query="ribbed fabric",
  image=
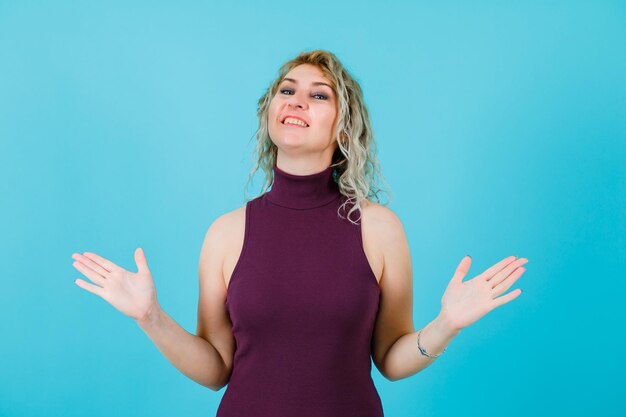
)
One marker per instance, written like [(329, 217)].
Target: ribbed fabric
[(303, 302)]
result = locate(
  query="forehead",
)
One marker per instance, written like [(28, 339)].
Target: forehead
[(308, 73)]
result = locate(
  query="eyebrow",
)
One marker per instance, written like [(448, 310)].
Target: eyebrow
[(314, 83)]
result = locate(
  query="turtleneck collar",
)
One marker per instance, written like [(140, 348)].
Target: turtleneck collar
[(303, 191)]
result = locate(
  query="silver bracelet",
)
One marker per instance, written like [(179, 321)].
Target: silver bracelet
[(422, 351)]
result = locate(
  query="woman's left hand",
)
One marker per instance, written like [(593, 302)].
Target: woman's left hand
[(463, 303)]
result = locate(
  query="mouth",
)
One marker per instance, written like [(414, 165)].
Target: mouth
[(294, 125), (294, 122)]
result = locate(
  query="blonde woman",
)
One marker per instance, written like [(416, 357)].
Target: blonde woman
[(306, 281)]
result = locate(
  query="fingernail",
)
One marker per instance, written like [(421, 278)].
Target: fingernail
[(469, 256)]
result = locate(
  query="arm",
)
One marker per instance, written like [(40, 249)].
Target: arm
[(404, 358), (192, 355), (463, 303), (206, 357), (395, 351), (134, 294)]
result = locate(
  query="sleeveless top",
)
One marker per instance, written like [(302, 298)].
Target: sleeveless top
[(303, 301)]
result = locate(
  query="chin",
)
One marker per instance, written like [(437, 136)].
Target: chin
[(290, 143), (287, 136)]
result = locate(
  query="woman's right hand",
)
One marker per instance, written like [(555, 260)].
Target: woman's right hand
[(132, 293)]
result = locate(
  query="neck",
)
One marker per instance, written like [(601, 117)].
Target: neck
[(303, 191)]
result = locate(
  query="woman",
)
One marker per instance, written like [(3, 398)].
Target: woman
[(303, 283)]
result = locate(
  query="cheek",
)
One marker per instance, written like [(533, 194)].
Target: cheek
[(272, 115), (329, 118), (272, 108), (274, 103)]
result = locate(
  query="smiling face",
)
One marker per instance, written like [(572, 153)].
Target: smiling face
[(308, 96)]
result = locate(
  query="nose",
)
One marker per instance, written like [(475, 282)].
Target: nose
[(296, 100)]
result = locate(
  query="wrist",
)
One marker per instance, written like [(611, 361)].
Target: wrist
[(151, 318), (446, 325)]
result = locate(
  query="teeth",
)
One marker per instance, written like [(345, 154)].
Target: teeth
[(291, 120)]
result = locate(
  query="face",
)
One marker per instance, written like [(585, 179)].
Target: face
[(304, 95)]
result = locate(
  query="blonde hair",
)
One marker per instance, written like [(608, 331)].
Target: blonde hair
[(356, 167)]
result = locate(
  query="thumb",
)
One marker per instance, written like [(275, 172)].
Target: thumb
[(140, 260), (462, 269)]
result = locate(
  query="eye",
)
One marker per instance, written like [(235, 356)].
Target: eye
[(324, 97)]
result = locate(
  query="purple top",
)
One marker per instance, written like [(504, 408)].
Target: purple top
[(303, 302)]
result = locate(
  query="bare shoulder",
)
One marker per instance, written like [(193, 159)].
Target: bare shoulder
[(219, 239), (213, 321), (230, 222), (377, 223), (379, 215), (230, 227)]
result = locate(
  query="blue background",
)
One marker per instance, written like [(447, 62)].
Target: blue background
[(501, 128)]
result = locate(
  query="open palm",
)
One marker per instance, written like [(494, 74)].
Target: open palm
[(132, 293), (466, 302)]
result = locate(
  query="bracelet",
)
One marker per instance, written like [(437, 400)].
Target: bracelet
[(421, 349)]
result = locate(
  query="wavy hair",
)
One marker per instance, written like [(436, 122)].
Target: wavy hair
[(356, 168)]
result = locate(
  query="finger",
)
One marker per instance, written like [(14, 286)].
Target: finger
[(510, 280), (141, 261), (507, 297), (89, 273), (501, 276), (91, 264), (105, 263), (94, 289), (497, 267), (462, 269)]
